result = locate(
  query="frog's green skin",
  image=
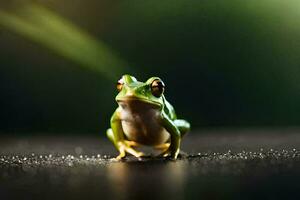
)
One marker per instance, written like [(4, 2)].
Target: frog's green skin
[(143, 119)]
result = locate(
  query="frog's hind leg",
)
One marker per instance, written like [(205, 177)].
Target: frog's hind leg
[(183, 126), (110, 135)]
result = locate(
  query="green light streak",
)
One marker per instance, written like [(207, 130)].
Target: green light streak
[(47, 28)]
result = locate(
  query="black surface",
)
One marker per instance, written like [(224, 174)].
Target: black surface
[(247, 164)]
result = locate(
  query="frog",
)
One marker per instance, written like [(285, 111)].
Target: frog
[(144, 117)]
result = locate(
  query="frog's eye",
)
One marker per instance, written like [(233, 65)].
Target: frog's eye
[(120, 84), (157, 87)]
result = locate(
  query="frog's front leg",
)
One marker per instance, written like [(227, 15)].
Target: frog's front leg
[(116, 136), (175, 139), (177, 128)]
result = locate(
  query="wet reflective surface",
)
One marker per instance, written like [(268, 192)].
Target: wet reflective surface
[(267, 168)]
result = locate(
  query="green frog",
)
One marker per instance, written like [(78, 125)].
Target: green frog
[(145, 117)]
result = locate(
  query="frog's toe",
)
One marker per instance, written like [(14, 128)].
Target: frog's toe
[(134, 152), (121, 156), (165, 153), (171, 154), (174, 154), (125, 148), (140, 154)]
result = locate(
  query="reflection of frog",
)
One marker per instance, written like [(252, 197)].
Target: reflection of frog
[(145, 117)]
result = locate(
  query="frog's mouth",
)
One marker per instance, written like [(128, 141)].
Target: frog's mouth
[(139, 101)]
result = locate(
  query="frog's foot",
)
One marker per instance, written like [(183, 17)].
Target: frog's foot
[(125, 148), (165, 153), (165, 148), (168, 153), (162, 147), (121, 155)]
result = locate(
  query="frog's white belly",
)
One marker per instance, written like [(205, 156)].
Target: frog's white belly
[(141, 123)]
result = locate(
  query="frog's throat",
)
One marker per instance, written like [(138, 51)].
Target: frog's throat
[(144, 100)]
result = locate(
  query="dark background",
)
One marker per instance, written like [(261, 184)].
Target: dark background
[(231, 68), (225, 63)]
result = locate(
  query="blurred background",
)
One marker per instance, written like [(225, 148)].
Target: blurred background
[(225, 63)]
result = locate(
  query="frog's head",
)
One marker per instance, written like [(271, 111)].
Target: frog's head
[(150, 92)]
